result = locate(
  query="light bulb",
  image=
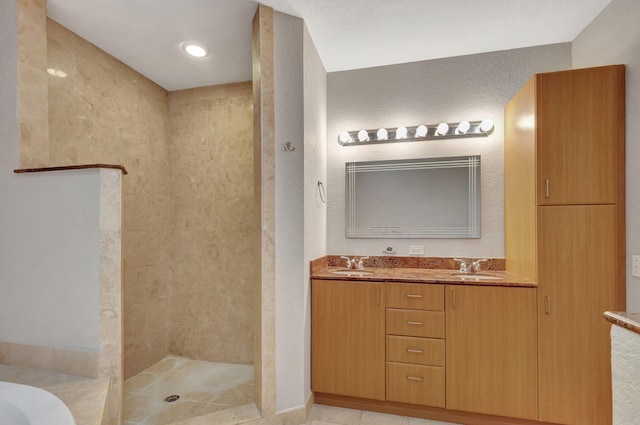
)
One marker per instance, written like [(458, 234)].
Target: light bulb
[(401, 133), (345, 137), (463, 127), (443, 128), (421, 131), (486, 125), (363, 135), (382, 134)]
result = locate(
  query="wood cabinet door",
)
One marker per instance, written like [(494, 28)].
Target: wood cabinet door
[(577, 283), (491, 343), (580, 136), (348, 338)]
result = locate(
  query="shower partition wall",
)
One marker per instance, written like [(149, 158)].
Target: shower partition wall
[(188, 209)]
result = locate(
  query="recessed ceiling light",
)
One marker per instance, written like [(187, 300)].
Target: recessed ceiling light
[(194, 50)]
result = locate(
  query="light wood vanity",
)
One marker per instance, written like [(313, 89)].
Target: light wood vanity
[(440, 348)]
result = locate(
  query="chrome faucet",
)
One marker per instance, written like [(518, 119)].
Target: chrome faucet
[(350, 262), (360, 263), (475, 265), (463, 264), (470, 266)]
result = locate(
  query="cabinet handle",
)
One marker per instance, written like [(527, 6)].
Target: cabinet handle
[(410, 350), (453, 299), (415, 323), (547, 306), (546, 183), (415, 378), (377, 296), (414, 296)]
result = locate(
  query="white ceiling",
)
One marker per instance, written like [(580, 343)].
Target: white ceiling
[(349, 34)]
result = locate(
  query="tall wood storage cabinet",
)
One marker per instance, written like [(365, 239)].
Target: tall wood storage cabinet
[(564, 228)]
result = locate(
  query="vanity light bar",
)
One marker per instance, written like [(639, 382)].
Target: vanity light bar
[(417, 133)]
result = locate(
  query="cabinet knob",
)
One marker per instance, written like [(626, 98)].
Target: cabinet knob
[(415, 323), (415, 378), (411, 350), (414, 296)]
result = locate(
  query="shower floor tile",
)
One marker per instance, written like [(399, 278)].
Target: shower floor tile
[(204, 387)]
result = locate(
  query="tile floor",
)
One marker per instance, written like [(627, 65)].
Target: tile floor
[(204, 387), (327, 415)]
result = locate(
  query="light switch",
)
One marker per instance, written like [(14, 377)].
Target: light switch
[(635, 266)]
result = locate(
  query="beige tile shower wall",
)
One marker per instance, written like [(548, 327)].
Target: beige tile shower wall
[(32, 82), (211, 139), (104, 112)]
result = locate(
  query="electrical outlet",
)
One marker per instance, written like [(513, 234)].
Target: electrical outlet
[(416, 250), (635, 266)]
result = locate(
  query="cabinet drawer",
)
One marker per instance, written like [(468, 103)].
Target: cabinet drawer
[(415, 296), (415, 323), (406, 349), (415, 384)]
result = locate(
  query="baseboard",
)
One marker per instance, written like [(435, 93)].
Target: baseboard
[(81, 363), (423, 412)]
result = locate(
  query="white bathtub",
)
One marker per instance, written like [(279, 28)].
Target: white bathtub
[(25, 405)]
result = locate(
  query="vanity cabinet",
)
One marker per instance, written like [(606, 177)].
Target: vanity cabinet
[(415, 328), (348, 338), (564, 228), (399, 348), (491, 349)]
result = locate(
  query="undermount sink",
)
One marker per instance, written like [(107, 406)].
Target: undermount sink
[(351, 272)]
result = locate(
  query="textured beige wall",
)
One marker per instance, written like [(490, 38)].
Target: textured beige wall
[(211, 147), (104, 112)]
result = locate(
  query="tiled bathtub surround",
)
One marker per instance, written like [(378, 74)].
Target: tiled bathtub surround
[(107, 363), (85, 397), (54, 359)]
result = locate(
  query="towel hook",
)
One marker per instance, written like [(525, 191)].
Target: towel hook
[(323, 194)]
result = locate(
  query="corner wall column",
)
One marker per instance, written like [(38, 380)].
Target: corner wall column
[(264, 189)]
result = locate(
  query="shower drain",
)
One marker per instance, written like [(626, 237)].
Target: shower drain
[(172, 398)]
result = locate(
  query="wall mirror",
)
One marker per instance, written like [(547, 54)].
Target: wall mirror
[(415, 198)]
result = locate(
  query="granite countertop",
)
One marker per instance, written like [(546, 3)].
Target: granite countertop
[(419, 275), (630, 321)]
